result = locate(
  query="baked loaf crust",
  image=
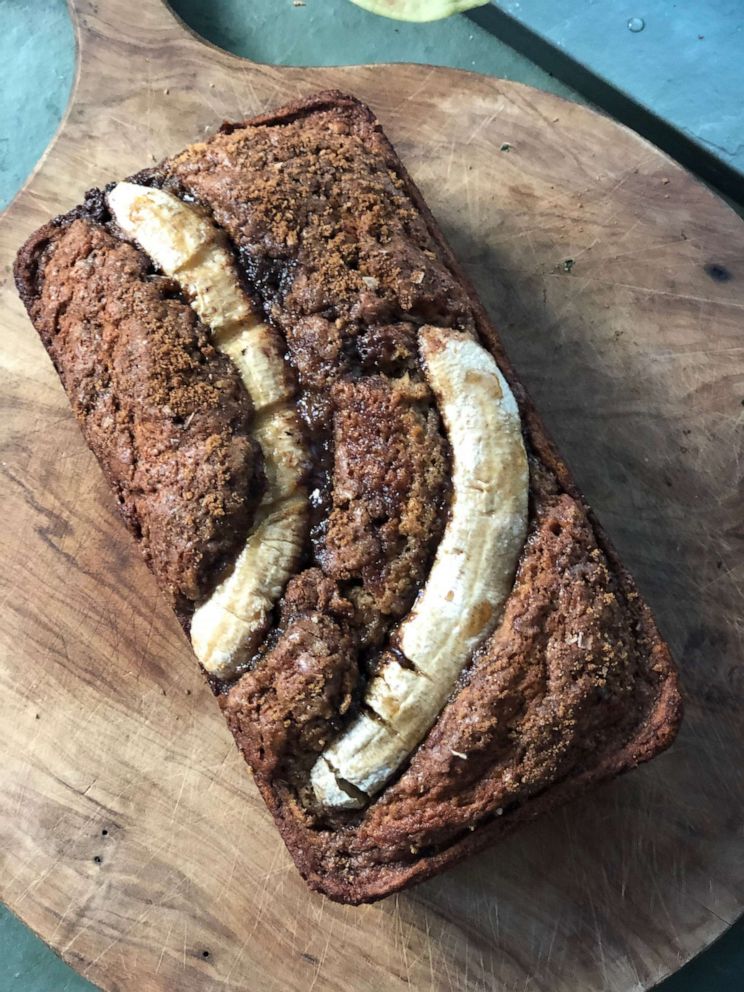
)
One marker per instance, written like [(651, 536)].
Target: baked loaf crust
[(336, 251)]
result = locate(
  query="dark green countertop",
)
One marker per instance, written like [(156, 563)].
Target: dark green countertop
[(37, 55)]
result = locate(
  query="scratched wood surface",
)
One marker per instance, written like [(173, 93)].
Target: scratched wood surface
[(131, 837)]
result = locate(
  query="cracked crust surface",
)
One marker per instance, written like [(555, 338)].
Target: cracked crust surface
[(163, 411), (388, 488)]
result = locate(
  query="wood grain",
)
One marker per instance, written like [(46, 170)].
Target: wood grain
[(131, 837)]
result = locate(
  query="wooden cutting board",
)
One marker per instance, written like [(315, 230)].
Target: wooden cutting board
[(131, 837)]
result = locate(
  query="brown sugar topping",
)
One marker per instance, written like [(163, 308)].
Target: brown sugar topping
[(390, 480)]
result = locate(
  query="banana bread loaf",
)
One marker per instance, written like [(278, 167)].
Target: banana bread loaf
[(417, 631)]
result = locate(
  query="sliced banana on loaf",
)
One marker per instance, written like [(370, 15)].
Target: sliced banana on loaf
[(474, 566), (228, 627), (469, 582)]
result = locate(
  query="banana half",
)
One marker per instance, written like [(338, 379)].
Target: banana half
[(187, 246), (470, 578)]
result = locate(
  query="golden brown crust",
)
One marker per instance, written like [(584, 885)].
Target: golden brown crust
[(163, 411)]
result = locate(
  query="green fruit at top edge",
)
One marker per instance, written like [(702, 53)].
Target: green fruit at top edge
[(418, 10)]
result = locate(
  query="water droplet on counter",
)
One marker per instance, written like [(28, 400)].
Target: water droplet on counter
[(636, 24)]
